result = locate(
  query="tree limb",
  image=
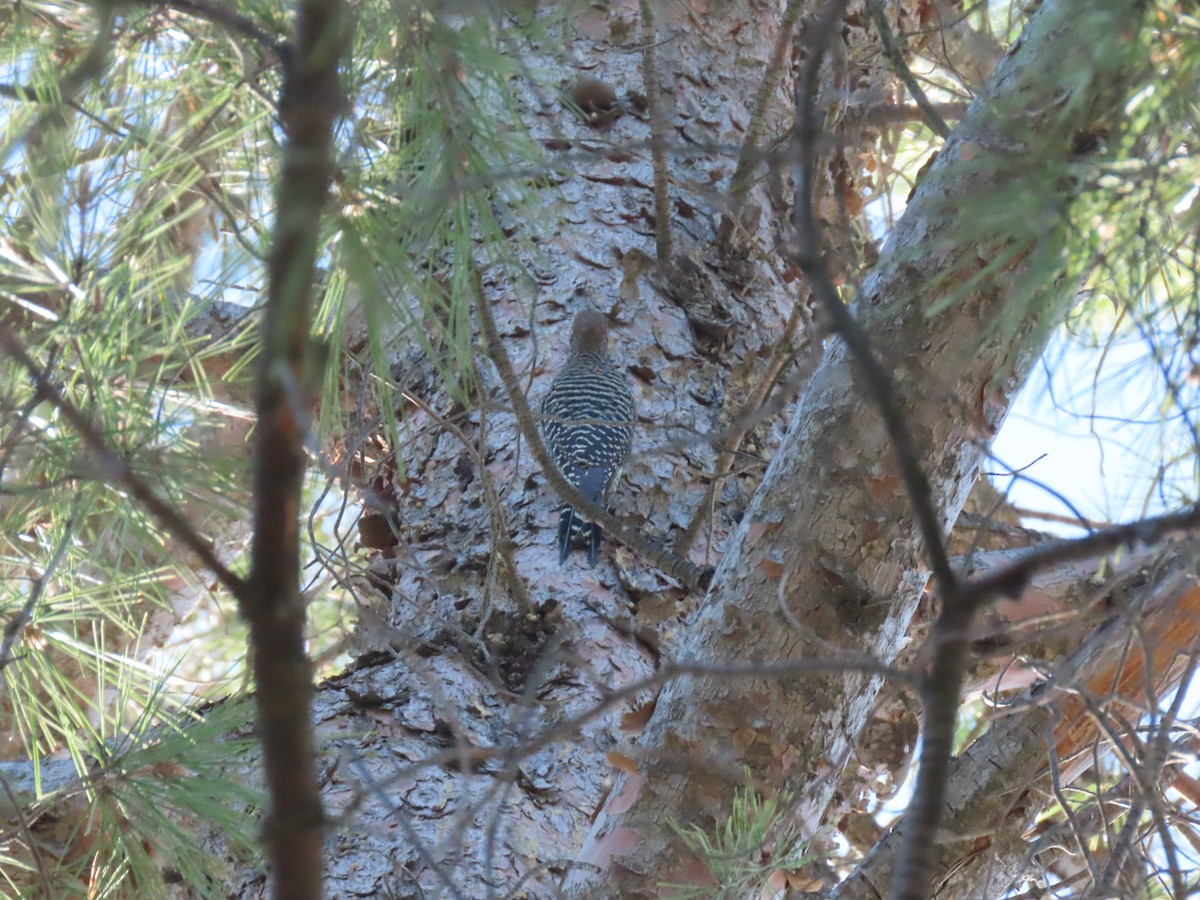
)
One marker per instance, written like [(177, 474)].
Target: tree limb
[(310, 102)]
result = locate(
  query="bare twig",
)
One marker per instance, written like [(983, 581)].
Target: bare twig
[(470, 757), (750, 154), (658, 137), (377, 790), (932, 117), (1154, 761), (1044, 516), (1011, 580), (501, 540), (739, 428), (942, 687), (35, 846), (229, 19), (878, 383)]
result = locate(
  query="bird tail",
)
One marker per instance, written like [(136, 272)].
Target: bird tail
[(567, 520), (574, 531), (594, 533)]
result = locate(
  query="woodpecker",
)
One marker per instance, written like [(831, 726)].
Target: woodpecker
[(587, 421)]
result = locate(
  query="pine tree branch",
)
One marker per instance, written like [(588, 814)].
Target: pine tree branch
[(809, 259), (118, 470), (751, 152), (942, 688), (1012, 579), (231, 20), (469, 757)]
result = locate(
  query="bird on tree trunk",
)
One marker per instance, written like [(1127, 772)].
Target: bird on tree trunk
[(587, 422)]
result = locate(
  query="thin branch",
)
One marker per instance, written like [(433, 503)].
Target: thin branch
[(14, 626), (1011, 580), (658, 137), (117, 469), (899, 114), (1043, 516), (469, 757), (932, 117), (309, 104), (942, 687), (879, 386), (21, 421), (1155, 762), (750, 154), (501, 539), (231, 20), (739, 428), (35, 846), (378, 790), (695, 577)]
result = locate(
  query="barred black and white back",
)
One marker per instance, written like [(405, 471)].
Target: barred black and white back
[(587, 421)]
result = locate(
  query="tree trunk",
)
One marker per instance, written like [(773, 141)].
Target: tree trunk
[(827, 559), (467, 751)]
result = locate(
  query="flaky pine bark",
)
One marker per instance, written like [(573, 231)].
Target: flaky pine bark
[(455, 782), (471, 779), (467, 757), (828, 555), (472, 782)]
